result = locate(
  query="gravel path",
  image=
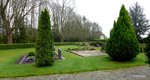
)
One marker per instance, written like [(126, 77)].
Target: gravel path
[(136, 73)]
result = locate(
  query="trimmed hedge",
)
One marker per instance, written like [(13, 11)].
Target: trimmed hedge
[(32, 45), (147, 49), (98, 43), (16, 46)]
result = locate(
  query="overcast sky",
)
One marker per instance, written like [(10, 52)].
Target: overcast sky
[(104, 12)]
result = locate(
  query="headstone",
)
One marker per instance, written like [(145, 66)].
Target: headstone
[(59, 53), (54, 47)]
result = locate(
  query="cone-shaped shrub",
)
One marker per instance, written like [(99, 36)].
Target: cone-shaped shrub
[(147, 49), (122, 44), (44, 41)]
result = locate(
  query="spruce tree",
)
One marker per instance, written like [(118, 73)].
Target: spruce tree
[(122, 44), (140, 23), (44, 41)]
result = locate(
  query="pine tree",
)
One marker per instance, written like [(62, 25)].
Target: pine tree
[(139, 21), (44, 41), (122, 44)]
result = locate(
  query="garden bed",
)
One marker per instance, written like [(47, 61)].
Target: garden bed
[(25, 59)]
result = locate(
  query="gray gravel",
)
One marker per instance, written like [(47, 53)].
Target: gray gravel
[(136, 73)]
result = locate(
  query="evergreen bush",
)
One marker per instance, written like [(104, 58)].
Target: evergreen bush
[(44, 42), (147, 49), (31, 54), (122, 44)]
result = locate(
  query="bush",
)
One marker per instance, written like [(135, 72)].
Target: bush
[(31, 54), (85, 46), (98, 43), (80, 43), (44, 42), (32, 45), (147, 49), (122, 44), (64, 43)]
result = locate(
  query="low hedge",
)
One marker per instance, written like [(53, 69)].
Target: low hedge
[(16, 46), (99, 42), (31, 45)]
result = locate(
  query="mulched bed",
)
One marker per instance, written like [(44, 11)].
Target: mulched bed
[(24, 59), (19, 60)]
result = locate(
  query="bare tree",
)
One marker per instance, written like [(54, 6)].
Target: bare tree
[(61, 13), (12, 12)]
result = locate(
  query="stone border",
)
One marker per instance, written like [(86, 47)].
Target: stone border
[(79, 53)]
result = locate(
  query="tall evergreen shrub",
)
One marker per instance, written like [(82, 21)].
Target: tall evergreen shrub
[(122, 44), (147, 49), (44, 41)]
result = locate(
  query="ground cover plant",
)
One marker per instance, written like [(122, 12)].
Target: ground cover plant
[(71, 64)]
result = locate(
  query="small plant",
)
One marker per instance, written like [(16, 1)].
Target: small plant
[(31, 54)]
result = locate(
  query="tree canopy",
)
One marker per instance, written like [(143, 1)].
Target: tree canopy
[(138, 18)]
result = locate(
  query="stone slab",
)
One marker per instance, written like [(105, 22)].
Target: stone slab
[(89, 53)]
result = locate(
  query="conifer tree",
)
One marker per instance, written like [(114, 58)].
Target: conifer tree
[(138, 18), (122, 44), (44, 41)]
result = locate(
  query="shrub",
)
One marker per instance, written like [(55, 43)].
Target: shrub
[(147, 49), (98, 42), (44, 42), (31, 54), (122, 44)]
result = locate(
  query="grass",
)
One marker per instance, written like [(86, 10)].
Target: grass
[(72, 63)]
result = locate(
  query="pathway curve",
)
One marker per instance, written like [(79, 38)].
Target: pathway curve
[(136, 73)]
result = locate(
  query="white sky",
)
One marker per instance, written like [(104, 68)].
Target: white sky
[(104, 12)]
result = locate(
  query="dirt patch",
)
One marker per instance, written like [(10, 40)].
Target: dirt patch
[(89, 53)]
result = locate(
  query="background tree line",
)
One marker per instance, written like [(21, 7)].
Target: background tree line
[(18, 21), (15, 21), (19, 18)]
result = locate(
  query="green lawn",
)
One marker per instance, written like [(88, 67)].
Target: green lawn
[(71, 64)]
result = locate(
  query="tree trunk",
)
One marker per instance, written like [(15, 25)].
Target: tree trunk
[(9, 38), (9, 31)]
